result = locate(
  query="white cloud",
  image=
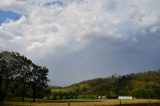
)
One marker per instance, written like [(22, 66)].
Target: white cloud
[(76, 23), (43, 30)]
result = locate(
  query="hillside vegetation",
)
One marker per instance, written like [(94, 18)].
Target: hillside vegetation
[(139, 85)]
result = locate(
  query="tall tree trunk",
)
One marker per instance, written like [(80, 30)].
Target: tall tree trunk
[(34, 91), (24, 89), (4, 90)]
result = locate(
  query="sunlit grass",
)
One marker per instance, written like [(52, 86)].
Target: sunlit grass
[(109, 102)]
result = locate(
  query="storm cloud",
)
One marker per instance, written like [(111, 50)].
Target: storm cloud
[(84, 39)]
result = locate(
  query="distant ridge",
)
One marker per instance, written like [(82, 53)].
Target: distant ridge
[(139, 85)]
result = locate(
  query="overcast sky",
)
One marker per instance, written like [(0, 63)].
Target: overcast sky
[(83, 39)]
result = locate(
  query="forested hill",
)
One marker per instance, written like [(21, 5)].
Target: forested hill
[(139, 85)]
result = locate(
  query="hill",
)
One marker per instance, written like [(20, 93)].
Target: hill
[(139, 85)]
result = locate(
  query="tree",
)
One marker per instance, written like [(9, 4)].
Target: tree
[(39, 79), (9, 69), (16, 69), (3, 79), (25, 73)]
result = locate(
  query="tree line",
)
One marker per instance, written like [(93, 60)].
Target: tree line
[(20, 78), (139, 85)]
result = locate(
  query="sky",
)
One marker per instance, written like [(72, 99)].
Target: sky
[(83, 39)]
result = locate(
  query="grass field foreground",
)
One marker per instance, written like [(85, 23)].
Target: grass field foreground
[(109, 102)]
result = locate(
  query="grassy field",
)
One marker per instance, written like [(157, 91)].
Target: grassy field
[(110, 102)]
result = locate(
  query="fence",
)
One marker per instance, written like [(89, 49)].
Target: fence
[(86, 103)]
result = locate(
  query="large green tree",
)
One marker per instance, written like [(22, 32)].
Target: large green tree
[(39, 80), (17, 72)]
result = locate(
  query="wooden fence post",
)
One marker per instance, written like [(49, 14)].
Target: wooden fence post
[(30, 102), (120, 102), (68, 102)]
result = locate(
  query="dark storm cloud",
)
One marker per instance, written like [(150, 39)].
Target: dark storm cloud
[(105, 57)]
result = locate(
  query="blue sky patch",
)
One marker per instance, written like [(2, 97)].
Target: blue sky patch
[(54, 3), (8, 15)]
